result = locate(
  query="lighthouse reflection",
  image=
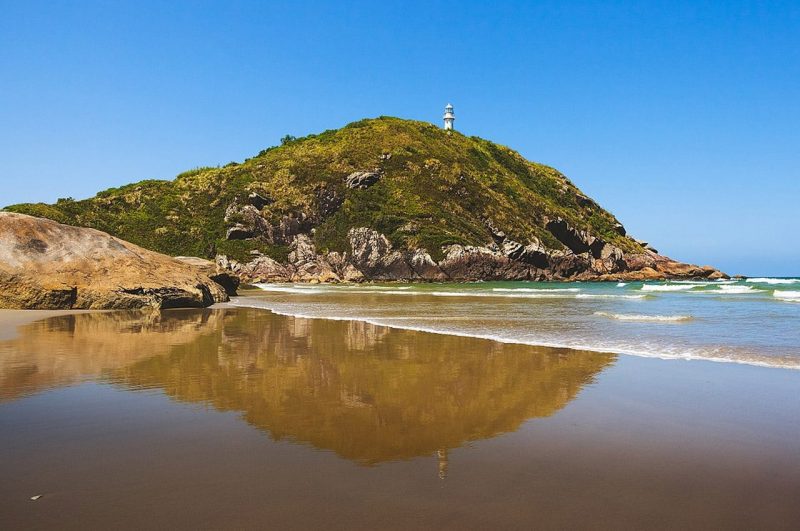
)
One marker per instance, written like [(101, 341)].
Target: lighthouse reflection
[(368, 393)]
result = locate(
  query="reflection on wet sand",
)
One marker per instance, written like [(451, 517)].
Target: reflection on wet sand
[(67, 349), (368, 393)]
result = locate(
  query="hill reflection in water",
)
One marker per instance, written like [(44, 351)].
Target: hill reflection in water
[(369, 393)]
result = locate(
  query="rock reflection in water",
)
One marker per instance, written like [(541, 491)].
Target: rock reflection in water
[(68, 349), (369, 393)]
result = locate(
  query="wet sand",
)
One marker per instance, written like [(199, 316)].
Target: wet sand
[(11, 320), (238, 418)]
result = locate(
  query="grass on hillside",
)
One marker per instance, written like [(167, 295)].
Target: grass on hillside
[(437, 189)]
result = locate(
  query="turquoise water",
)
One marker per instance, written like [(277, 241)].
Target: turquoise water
[(754, 321)]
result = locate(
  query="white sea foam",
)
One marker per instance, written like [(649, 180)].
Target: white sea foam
[(622, 284), (286, 289), (761, 280), (734, 290), (499, 293), (378, 288), (639, 317), (534, 290), (607, 296), (790, 296), (669, 287)]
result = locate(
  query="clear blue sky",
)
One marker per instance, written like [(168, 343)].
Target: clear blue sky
[(682, 118)]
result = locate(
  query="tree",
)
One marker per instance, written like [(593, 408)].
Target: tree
[(288, 138)]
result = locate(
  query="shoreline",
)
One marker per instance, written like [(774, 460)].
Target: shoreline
[(11, 319), (489, 337)]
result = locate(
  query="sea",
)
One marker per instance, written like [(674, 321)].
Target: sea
[(754, 321)]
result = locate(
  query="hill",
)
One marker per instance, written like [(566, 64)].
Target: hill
[(382, 198)]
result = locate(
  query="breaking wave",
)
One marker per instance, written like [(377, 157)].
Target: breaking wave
[(762, 280), (498, 293), (736, 290), (639, 317), (670, 287), (790, 296), (534, 290)]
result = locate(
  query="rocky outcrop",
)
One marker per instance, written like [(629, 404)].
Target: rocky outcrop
[(261, 269), (246, 222), (577, 241), (224, 277), (47, 265), (259, 201), (328, 200), (362, 179), (373, 257), (466, 262), (534, 254), (306, 265), (372, 254)]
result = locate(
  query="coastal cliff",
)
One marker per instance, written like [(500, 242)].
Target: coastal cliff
[(379, 199)]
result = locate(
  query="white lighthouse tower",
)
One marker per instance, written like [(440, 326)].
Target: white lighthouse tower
[(449, 117)]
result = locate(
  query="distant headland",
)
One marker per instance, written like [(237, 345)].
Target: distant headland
[(379, 199)]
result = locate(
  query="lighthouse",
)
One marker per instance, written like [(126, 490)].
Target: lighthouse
[(449, 117)]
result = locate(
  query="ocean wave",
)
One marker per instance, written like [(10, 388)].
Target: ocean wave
[(375, 288), (790, 296), (621, 284), (651, 318), (490, 294), (534, 290), (669, 287), (761, 280), (735, 290), (607, 296), (659, 352), (286, 289), (498, 293)]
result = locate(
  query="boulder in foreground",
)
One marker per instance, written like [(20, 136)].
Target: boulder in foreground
[(47, 265)]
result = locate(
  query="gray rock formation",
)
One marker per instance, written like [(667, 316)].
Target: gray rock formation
[(371, 256), (362, 179), (248, 222), (259, 201)]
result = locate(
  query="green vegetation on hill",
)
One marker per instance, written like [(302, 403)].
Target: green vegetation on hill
[(437, 188)]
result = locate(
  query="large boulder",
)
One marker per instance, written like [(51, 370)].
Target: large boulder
[(224, 277), (47, 265)]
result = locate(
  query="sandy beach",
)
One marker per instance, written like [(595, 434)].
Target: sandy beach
[(237, 417)]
